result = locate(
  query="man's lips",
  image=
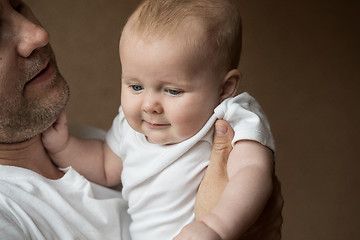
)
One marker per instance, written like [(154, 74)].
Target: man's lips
[(45, 73)]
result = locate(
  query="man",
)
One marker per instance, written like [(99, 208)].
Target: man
[(40, 201)]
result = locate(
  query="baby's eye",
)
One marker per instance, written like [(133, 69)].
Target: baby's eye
[(174, 92), (136, 88)]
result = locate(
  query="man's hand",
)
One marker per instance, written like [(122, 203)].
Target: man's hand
[(268, 225), (216, 178)]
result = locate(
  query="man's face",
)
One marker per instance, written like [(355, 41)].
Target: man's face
[(32, 91)]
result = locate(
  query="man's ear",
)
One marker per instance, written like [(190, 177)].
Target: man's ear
[(230, 84)]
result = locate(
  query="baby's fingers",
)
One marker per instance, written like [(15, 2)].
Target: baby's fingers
[(61, 121)]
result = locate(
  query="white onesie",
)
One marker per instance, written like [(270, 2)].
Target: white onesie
[(160, 182)]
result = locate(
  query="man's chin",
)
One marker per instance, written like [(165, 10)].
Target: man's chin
[(20, 134), (31, 124)]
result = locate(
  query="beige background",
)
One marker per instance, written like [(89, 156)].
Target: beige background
[(300, 60)]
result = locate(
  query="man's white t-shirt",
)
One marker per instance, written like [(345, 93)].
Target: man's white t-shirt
[(160, 182), (34, 207)]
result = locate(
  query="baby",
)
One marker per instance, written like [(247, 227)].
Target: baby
[(179, 74)]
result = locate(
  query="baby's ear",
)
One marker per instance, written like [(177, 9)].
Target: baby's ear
[(230, 84)]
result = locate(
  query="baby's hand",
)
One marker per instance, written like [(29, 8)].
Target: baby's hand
[(55, 138), (197, 231)]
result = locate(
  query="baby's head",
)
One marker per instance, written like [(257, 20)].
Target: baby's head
[(179, 61)]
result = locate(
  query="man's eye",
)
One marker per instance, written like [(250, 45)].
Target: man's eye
[(19, 7), (174, 92), (136, 88)]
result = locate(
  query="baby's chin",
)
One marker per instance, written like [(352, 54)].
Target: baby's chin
[(166, 141), (161, 141)]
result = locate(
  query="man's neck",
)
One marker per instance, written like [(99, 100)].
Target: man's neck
[(30, 155)]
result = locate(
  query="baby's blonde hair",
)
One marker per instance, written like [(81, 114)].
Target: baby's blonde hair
[(220, 18)]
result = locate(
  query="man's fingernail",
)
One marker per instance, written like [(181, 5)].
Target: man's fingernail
[(220, 129)]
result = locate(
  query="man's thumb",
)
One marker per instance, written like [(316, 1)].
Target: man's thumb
[(222, 147)]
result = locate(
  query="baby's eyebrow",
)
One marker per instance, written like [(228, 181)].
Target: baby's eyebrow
[(123, 77), (181, 84), (127, 79)]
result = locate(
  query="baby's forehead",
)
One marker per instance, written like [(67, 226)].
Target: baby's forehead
[(164, 17), (189, 27), (190, 36)]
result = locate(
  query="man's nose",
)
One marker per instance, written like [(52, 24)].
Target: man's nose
[(152, 103), (30, 37)]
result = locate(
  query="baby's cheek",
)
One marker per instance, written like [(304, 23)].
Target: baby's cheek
[(189, 123), (132, 116)]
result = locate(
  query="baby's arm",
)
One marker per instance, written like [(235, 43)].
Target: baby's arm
[(90, 157), (250, 171)]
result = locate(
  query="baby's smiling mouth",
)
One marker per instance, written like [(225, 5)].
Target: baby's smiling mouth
[(156, 125)]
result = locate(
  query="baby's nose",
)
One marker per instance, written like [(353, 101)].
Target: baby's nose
[(152, 104)]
